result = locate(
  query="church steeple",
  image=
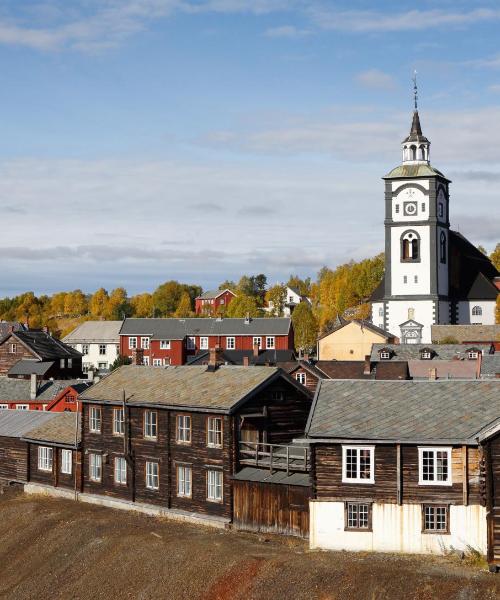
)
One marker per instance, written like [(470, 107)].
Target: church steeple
[(416, 145)]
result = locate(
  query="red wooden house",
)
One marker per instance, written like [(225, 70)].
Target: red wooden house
[(213, 303), (172, 341)]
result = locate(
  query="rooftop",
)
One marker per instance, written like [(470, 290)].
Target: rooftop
[(438, 351), (44, 346), (63, 430), (16, 423), (18, 390), (95, 331), (466, 333)]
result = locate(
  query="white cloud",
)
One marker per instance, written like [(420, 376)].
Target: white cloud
[(375, 79), (495, 88), (286, 31)]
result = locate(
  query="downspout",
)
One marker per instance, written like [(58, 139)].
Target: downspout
[(76, 449)]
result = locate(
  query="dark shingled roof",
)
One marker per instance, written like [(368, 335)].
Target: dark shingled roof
[(60, 431), (212, 294), (27, 366), (45, 346), (406, 411), (5, 327), (178, 329), (235, 357), (490, 365), (416, 134), (407, 352), (192, 387), (466, 333), (18, 390), (265, 476), (354, 369)]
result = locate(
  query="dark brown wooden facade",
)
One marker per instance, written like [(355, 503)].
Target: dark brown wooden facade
[(491, 466), (13, 459), (55, 477)]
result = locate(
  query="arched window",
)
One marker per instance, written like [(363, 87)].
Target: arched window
[(410, 246), (413, 150), (422, 152), (477, 311), (442, 247)]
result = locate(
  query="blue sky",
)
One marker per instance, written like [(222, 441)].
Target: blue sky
[(143, 140)]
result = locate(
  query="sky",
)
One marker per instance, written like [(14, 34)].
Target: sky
[(198, 140)]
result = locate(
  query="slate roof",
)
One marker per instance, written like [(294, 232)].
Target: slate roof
[(27, 366), (44, 346), (235, 357), (95, 332), (60, 430), (466, 333), (354, 369), (445, 369), (212, 294), (5, 327), (178, 329), (280, 477), (412, 351), (490, 366), (406, 411), (191, 387), (18, 390), (16, 423), (416, 134)]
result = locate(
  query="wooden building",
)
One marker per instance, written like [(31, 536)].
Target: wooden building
[(26, 353), (398, 466), (171, 437), (213, 303), (172, 341), (54, 395)]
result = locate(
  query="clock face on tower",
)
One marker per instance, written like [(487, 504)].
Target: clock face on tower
[(409, 209)]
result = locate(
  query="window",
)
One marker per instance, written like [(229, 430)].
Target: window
[(95, 467), (62, 363), (277, 396), (191, 343), (95, 419), (85, 349), (405, 278), (152, 477), (145, 361), (184, 481), (397, 208), (145, 343), (357, 516), (301, 378), (410, 247), (4, 406), (132, 343), (102, 366), (164, 344), (157, 362), (214, 485), (230, 343), (440, 210), (257, 341), (214, 432), (423, 206), (150, 424), (203, 343), (120, 470), (385, 355), (66, 462), (270, 343), (358, 464), (381, 312), (472, 354), (13, 348), (183, 429), (102, 349), (442, 247), (415, 279), (222, 301), (426, 354), (44, 458), (22, 407), (411, 313), (477, 311), (86, 368), (434, 466), (118, 421), (435, 518)]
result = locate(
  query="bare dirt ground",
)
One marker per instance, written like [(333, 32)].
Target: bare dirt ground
[(52, 548)]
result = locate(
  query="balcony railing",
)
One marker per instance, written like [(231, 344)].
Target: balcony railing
[(275, 457)]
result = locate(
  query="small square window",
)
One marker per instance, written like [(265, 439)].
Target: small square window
[(257, 341), (145, 343), (203, 343), (435, 518), (270, 343), (164, 344), (230, 343), (357, 516), (132, 343), (301, 378), (102, 349), (13, 348)]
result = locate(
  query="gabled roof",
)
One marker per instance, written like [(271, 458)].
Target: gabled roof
[(18, 390), (7, 326), (343, 369), (403, 411), (362, 324), (64, 430), (43, 345), (95, 332), (235, 357), (178, 329), (444, 369), (16, 423), (189, 387), (466, 333), (213, 294), (28, 366), (412, 351)]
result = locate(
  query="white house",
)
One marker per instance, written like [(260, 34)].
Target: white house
[(292, 299), (98, 341)]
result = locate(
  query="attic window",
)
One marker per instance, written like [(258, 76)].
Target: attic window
[(426, 354), (385, 355), (472, 354), (13, 348)]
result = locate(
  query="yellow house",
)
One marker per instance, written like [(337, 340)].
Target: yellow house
[(352, 340)]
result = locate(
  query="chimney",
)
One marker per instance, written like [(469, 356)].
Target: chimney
[(90, 375), (306, 357), (33, 387), (433, 374), (215, 356), (255, 350), (246, 361), (367, 369), (137, 356)]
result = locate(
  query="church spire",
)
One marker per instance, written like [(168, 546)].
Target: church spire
[(416, 145)]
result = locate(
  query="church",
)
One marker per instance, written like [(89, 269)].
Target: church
[(433, 275)]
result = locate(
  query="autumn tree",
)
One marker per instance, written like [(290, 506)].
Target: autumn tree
[(99, 302), (57, 303), (303, 286), (183, 309), (495, 257), (305, 327), (497, 311), (142, 305), (243, 305), (117, 306), (227, 285), (276, 297), (75, 303)]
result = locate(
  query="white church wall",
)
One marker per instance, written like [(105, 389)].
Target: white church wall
[(442, 267), (378, 314), (422, 213), (419, 270), (465, 316), (423, 312)]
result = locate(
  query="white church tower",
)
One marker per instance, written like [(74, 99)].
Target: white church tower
[(414, 295)]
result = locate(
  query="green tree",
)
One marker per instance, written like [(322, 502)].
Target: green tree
[(303, 286), (99, 302), (167, 296), (183, 309), (119, 361), (495, 257), (227, 285), (276, 297), (305, 327), (243, 305)]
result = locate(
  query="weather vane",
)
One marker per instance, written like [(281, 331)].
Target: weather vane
[(415, 89)]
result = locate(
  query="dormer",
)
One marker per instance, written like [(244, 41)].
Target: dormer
[(427, 354), (473, 353), (385, 353)]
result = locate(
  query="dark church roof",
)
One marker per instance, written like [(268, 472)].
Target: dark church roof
[(416, 130)]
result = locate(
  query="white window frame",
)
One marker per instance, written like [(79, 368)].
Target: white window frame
[(164, 344), (102, 366), (85, 349), (62, 363), (301, 378), (157, 362), (66, 461), (214, 431), (150, 425), (204, 343), (118, 423), (13, 349), (215, 484), (4, 407), (183, 432), (426, 355), (45, 458), (22, 406), (270, 342), (230, 343), (145, 361), (191, 343), (132, 343), (184, 475), (95, 467), (120, 470), (257, 341), (152, 475), (358, 479), (384, 355), (145, 343), (434, 449), (95, 419), (472, 354), (101, 351)]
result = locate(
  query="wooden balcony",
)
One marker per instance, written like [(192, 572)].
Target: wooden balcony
[(275, 457)]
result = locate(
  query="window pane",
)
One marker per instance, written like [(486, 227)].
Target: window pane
[(428, 465), (442, 466), (351, 463), (364, 464)]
